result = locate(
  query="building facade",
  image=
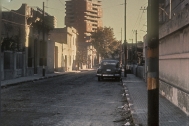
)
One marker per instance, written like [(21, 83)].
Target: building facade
[(24, 50), (174, 53), (85, 16), (65, 40)]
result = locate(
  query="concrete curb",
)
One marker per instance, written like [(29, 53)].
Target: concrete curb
[(29, 80), (131, 107), (32, 78)]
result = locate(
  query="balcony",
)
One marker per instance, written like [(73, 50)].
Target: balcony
[(91, 14), (97, 3), (91, 18)]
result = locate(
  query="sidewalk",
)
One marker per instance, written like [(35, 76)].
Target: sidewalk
[(136, 92), (31, 78)]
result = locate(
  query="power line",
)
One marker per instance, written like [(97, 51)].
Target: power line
[(54, 8), (143, 26), (114, 6), (14, 12), (14, 22), (61, 2), (4, 20), (25, 15), (139, 18), (136, 21)]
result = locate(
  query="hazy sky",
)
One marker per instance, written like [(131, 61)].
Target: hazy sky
[(113, 14)]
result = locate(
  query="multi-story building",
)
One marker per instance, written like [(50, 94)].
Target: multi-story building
[(85, 16)]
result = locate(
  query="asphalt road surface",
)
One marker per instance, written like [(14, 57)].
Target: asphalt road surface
[(74, 99)]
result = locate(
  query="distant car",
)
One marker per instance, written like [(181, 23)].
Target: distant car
[(109, 68)]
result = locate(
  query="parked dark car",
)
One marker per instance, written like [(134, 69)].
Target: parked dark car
[(109, 68)]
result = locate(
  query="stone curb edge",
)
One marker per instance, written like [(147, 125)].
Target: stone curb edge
[(134, 116), (25, 81)]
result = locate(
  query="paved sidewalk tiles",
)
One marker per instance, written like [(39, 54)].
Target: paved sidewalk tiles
[(136, 91)]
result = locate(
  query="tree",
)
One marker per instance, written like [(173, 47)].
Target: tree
[(11, 44), (104, 42)]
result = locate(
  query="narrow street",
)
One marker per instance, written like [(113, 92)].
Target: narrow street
[(73, 99)]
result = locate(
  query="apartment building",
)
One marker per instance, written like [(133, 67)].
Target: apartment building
[(85, 16)]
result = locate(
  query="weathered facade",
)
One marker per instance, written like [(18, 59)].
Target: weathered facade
[(65, 48), (174, 53), (85, 16), (22, 31)]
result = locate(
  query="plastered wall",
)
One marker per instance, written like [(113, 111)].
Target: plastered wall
[(174, 60)]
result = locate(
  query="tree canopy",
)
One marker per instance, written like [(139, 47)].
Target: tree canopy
[(105, 43)]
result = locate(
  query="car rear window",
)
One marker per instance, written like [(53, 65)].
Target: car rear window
[(108, 63)]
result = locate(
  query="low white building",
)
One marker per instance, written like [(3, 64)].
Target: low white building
[(65, 48)]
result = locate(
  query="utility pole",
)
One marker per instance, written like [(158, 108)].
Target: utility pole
[(153, 62), (0, 59), (121, 48), (125, 44), (136, 46), (170, 9), (43, 71), (131, 51)]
